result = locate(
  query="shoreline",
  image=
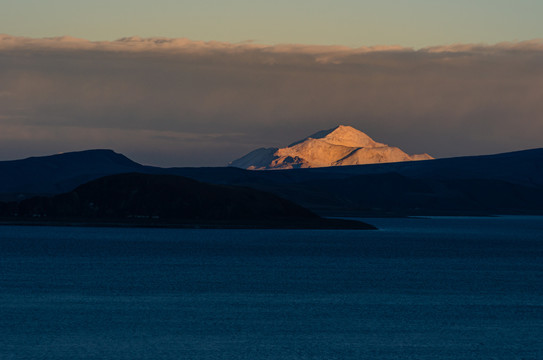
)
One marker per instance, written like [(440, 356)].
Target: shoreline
[(320, 224)]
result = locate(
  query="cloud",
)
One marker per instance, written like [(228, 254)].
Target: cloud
[(143, 96)]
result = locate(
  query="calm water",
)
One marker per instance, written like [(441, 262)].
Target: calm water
[(448, 288)]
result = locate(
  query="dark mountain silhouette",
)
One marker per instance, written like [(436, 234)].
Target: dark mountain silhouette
[(168, 200), (509, 183), (506, 183), (55, 174)]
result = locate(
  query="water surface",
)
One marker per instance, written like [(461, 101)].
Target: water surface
[(436, 288)]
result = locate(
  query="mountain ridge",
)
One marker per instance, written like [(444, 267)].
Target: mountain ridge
[(486, 184), (339, 146), (61, 172)]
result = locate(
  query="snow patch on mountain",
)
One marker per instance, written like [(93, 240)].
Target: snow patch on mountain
[(342, 145)]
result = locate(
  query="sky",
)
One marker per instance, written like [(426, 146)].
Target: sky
[(186, 83), (354, 23)]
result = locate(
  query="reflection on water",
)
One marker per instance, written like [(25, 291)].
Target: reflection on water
[(434, 288)]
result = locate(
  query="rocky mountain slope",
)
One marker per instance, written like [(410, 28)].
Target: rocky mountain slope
[(342, 145)]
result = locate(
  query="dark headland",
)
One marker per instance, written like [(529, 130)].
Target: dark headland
[(161, 200)]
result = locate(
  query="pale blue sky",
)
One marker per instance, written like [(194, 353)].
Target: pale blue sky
[(415, 23)]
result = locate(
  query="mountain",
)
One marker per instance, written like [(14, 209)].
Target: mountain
[(340, 146), (508, 183), (59, 173), (167, 200)]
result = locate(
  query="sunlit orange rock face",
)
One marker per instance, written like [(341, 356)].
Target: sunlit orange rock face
[(342, 145)]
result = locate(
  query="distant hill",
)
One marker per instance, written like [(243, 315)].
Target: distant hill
[(59, 173), (340, 146), (509, 183), (167, 200), (506, 183)]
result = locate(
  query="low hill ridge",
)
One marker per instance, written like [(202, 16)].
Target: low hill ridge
[(58, 173), (339, 146), (137, 199), (507, 183)]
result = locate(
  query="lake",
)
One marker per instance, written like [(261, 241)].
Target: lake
[(433, 288)]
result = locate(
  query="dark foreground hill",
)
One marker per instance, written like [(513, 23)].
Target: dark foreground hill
[(509, 183), (136, 199)]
